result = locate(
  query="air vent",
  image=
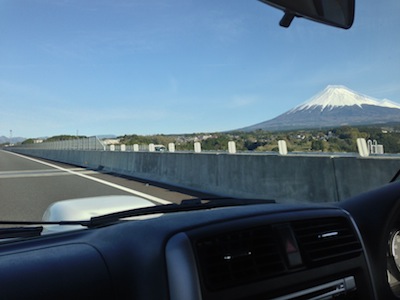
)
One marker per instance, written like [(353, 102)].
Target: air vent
[(329, 239), (239, 257)]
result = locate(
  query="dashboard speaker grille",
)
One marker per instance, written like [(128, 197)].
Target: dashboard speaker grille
[(238, 257), (327, 239)]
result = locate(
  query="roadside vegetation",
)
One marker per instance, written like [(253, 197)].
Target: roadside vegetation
[(341, 139)]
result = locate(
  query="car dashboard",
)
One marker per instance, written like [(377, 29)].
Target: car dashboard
[(263, 251)]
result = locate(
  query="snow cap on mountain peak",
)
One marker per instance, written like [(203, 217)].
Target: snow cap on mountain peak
[(338, 96), (390, 104)]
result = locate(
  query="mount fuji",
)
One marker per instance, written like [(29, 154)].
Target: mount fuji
[(333, 107)]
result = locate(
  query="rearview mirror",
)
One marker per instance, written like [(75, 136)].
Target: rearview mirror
[(338, 13)]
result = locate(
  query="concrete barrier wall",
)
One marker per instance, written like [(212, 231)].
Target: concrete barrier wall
[(282, 178)]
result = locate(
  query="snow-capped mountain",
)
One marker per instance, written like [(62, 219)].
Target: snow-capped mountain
[(334, 96), (334, 106)]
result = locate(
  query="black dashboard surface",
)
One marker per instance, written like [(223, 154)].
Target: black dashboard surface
[(264, 251)]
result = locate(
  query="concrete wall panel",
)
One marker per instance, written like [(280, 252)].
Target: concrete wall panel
[(282, 178)]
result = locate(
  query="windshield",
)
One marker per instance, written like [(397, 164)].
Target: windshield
[(168, 80)]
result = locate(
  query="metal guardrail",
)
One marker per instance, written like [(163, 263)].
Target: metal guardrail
[(91, 143)]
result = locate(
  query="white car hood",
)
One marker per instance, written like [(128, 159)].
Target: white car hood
[(82, 209)]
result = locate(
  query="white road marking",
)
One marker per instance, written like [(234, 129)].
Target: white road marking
[(40, 173), (119, 187)]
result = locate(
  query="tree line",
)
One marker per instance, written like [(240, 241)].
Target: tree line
[(342, 139)]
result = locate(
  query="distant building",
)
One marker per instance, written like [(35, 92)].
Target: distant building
[(111, 141)]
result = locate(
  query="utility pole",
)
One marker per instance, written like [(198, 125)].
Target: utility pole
[(10, 137)]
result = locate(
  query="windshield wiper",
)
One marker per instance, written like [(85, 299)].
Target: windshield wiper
[(20, 232), (396, 176), (186, 205), (32, 230), (28, 229)]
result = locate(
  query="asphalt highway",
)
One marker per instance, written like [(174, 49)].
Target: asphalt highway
[(29, 185)]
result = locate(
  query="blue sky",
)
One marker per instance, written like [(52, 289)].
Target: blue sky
[(179, 66)]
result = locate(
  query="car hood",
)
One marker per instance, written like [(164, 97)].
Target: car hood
[(82, 209)]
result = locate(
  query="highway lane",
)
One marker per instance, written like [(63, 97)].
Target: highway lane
[(29, 185)]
